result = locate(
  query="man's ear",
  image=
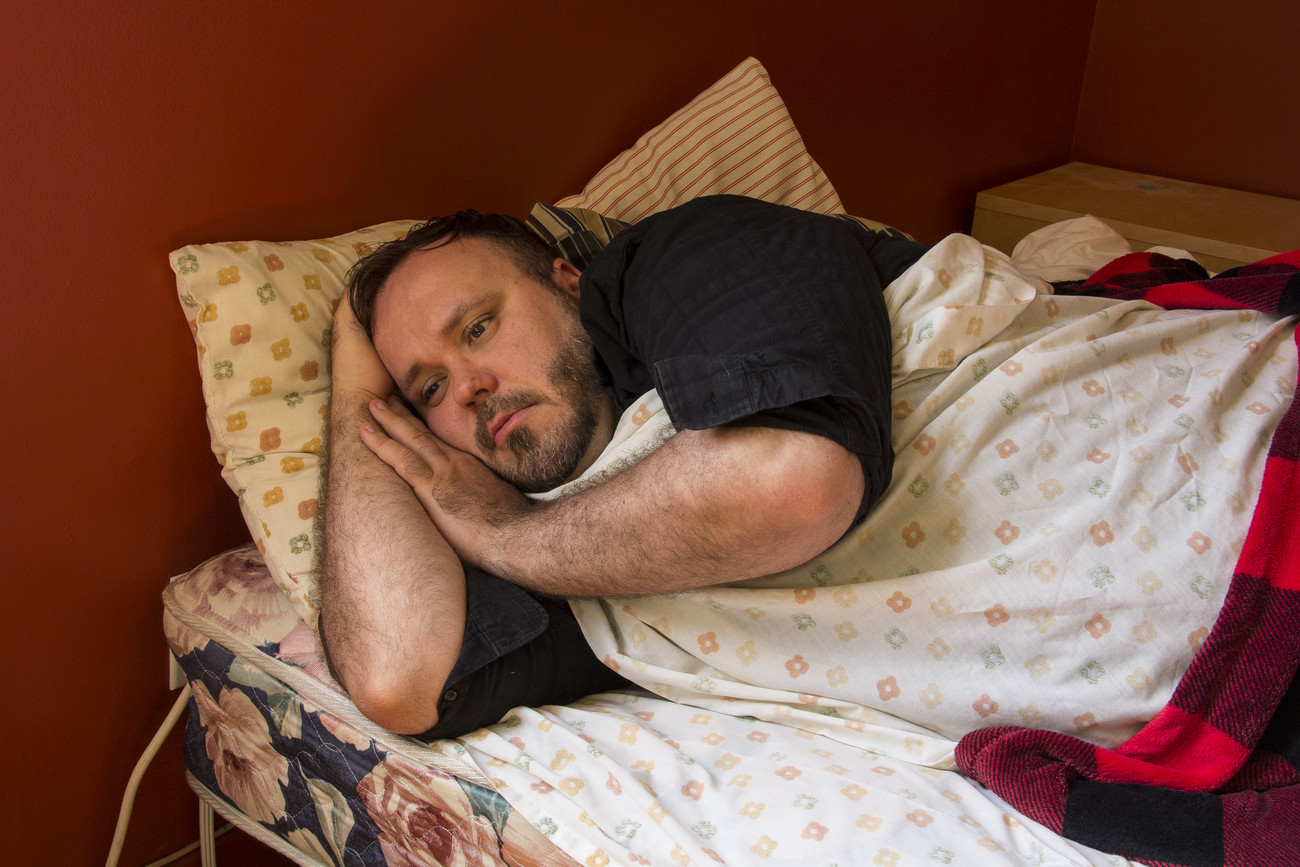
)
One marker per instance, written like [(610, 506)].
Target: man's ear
[(566, 276)]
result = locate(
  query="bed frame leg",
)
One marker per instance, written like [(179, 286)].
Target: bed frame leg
[(207, 836)]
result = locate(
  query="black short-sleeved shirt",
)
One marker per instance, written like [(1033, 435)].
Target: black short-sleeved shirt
[(742, 311), (737, 311)]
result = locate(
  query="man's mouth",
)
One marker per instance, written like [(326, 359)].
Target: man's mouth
[(503, 424)]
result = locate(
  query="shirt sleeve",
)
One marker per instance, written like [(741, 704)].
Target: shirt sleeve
[(743, 311)]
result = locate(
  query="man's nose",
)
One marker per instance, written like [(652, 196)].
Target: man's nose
[(472, 384)]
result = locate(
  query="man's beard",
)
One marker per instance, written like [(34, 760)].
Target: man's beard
[(547, 459)]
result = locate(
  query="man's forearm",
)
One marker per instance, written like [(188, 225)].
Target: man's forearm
[(392, 591), (708, 507)]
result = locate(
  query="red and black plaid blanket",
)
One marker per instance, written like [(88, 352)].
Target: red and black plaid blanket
[(1214, 779)]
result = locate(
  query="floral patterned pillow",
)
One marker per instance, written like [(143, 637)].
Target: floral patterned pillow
[(261, 313)]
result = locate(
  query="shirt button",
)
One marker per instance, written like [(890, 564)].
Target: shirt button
[(450, 695)]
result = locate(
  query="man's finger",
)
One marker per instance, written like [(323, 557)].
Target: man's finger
[(410, 431), (412, 467)]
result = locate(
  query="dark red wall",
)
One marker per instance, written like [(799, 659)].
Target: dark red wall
[(130, 128), (1199, 90)]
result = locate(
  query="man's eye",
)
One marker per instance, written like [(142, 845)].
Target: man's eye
[(478, 329), (430, 391)]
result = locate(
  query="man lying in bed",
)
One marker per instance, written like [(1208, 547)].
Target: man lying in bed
[(497, 367)]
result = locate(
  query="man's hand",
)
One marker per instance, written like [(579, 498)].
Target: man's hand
[(469, 503)]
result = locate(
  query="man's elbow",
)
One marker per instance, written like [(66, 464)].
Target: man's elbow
[(817, 496), (397, 707), (396, 697)]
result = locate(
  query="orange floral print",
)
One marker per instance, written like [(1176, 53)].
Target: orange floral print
[(273, 262), (796, 666), (888, 688), (996, 615), (1007, 448), (1097, 625), (913, 535), (920, 818), (1102, 534), (853, 792), (747, 652), (240, 334), (1007, 532), (708, 642), (727, 762), (938, 648), (898, 603), (1139, 681), (1199, 542), (985, 706)]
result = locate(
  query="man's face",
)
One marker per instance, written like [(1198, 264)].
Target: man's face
[(496, 362)]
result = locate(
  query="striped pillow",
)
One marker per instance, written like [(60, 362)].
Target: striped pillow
[(735, 137)]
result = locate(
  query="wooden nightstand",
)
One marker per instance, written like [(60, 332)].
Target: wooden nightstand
[(1222, 228)]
